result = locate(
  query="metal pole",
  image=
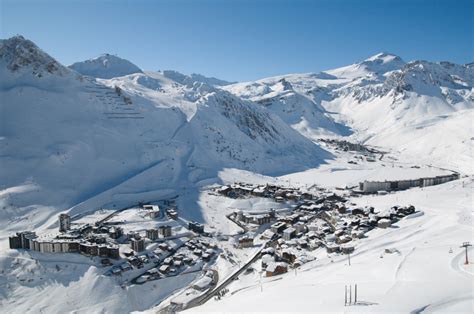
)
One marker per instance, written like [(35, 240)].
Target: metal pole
[(345, 295), (349, 257), (466, 245), (355, 295), (350, 294), (467, 260)]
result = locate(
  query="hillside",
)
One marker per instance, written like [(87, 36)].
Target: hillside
[(381, 101), (64, 128)]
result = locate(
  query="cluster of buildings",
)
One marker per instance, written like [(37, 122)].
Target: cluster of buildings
[(137, 242), (85, 240), (348, 146), (257, 219), (396, 185), (193, 251), (160, 232), (322, 222), (278, 193), (334, 229), (245, 241), (169, 260)]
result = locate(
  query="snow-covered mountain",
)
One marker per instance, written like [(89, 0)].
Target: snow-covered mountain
[(144, 133), (105, 66), (105, 134), (136, 125), (382, 101), (191, 79)]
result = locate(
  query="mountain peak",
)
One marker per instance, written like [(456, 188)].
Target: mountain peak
[(382, 63), (106, 66), (19, 53), (384, 57)]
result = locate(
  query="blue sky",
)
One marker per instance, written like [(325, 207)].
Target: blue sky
[(242, 39)]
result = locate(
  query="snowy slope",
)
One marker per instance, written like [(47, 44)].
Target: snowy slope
[(60, 129), (425, 272), (105, 66), (381, 101), (299, 106)]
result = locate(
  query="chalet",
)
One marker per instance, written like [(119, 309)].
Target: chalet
[(347, 248), (332, 248), (302, 243), (344, 239), (289, 255), (260, 192), (314, 244), (164, 246), (359, 234), (164, 269), (276, 268), (267, 234), (330, 238), (384, 223), (267, 259), (268, 250), (224, 190), (152, 272)]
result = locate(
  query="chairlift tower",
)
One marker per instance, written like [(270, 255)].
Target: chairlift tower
[(466, 245)]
